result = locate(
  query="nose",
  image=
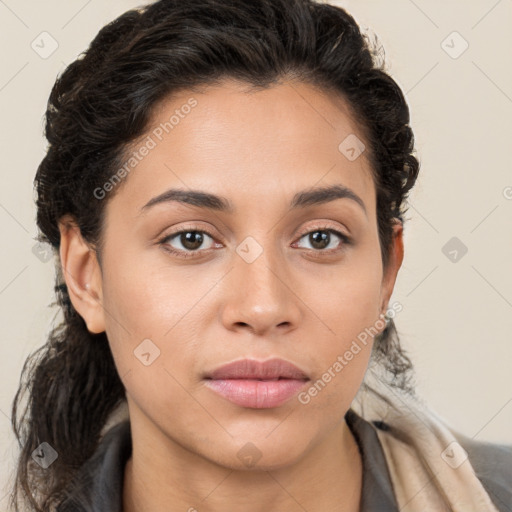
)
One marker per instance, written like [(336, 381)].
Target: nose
[(260, 295)]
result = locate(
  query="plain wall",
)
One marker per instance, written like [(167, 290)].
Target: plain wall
[(457, 315)]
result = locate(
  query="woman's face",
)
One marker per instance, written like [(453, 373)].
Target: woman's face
[(267, 279)]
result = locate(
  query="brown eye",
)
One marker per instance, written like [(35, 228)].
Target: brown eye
[(319, 239), (191, 240), (186, 242), (323, 240)]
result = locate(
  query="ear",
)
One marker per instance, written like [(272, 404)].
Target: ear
[(396, 256), (82, 274)]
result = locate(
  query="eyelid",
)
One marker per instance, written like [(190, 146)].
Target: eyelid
[(301, 233), (190, 227), (324, 226), (186, 229)]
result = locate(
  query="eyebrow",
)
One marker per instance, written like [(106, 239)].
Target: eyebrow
[(303, 199)]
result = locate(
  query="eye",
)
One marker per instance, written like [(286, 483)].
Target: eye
[(188, 241), (322, 240)]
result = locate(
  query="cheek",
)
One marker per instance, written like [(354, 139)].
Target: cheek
[(161, 304), (349, 300), (342, 355), (147, 297), (349, 308), (150, 329)]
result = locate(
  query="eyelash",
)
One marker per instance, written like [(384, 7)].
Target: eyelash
[(190, 254)]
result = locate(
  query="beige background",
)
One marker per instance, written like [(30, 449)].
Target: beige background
[(457, 316)]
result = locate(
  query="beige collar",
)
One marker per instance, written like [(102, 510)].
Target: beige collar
[(429, 469)]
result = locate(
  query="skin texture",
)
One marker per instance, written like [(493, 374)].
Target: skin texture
[(294, 301)]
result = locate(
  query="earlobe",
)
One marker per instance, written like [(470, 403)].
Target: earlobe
[(81, 271)]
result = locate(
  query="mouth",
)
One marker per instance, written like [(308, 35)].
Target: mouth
[(257, 385), (272, 369)]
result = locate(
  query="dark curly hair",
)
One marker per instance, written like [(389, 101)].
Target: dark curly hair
[(103, 102)]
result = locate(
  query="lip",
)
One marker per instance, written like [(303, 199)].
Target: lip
[(255, 384)]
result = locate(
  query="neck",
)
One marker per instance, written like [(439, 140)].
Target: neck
[(328, 477)]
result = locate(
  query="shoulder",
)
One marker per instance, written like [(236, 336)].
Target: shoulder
[(97, 486), (492, 463)]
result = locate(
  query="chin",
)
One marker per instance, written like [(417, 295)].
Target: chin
[(262, 452)]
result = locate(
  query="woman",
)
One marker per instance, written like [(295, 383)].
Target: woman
[(224, 189)]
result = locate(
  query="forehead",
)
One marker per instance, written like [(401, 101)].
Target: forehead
[(240, 142)]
